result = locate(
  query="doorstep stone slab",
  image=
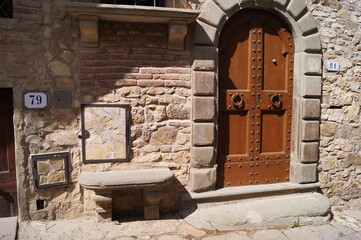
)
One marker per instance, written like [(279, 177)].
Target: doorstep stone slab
[(301, 233), (130, 178), (269, 235), (307, 208)]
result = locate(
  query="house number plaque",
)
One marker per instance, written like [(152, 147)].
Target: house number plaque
[(35, 100)]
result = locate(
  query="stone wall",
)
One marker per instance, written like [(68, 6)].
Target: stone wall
[(40, 50)]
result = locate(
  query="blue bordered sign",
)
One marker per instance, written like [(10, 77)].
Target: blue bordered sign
[(333, 66), (35, 100)]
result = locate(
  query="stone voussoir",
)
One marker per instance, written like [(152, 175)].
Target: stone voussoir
[(203, 108), (204, 34), (227, 6), (212, 14), (312, 43), (307, 24), (296, 8), (280, 3)]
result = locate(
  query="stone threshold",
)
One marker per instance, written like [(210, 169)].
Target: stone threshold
[(254, 191)]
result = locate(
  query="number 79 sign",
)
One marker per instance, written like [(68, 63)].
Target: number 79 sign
[(35, 100)]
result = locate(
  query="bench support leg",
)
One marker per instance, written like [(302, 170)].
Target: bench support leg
[(103, 201), (152, 199)]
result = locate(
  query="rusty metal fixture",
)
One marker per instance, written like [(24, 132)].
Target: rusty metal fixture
[(276, 100), (237, 100)]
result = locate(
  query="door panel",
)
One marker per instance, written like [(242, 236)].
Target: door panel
[(8, 203), (255, 97)]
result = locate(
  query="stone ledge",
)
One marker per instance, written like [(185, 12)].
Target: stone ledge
[(251, 191), (125, 179)]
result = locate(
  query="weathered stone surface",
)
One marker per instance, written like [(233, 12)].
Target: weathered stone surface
[(57, 164), (203, 58), (203, 179), (311, 109), (203, 109), (301, 233), (43, 167), (303, 173), (203, 157), (228, 5), (280, 3), (204, 34), (311, 86), (328, 129), (62, 138), (295, 8), (212, 14), (256, 213), (307, 23), (313, 64), (309, 152), (178, 111), (203, 83), (59, 69), (269, 234), (312, 43), (229, 236), (164, 136), (57, 176), (310, 130), (203, 134), (353, 160)]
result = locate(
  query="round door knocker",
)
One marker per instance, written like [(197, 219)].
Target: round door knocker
[(276, 100), (237, 100)]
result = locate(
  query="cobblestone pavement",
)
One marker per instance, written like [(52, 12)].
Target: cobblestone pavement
[(344, 226)]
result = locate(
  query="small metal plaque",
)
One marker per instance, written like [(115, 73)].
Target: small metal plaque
[(51, 170), (333, 66), (35, 100)]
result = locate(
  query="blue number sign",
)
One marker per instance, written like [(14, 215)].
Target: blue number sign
[(35, 100)]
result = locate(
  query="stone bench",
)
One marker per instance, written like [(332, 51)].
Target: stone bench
[(151, 181)]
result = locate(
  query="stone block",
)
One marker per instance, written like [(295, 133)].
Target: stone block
[(203, 58), (203, 157), (280, 3), (89, 30), (228, 5), (309, 152), (176, 37), (312, 43), (212, 14), (311, 86), (203, 134), (296, 8), (311, 108), (203, 109), (203, 83), (204, 34), (310, 131), (263, 3), (303, 173), (246, 3), (203, 179), (307, 23), (313, 64)]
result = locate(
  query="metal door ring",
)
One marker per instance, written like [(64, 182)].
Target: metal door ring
[(276, 101), (237, 100)]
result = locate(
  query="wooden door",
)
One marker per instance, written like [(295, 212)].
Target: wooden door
[(255, 84), (8, 202)]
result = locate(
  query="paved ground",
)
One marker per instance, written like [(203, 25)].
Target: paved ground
[(344, 226)]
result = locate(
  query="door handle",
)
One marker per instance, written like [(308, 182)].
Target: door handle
[(276, 100), (237, 100)]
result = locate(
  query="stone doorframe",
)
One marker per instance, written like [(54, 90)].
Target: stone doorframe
[(306, 92)]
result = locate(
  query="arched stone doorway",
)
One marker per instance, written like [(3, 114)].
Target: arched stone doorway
[(306, 87)]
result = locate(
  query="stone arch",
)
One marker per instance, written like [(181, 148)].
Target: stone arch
[(307, 87)]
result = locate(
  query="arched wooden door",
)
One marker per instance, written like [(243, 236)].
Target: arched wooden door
[(255, 100)]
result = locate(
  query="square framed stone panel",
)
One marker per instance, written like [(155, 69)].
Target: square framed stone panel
[(51, 170), (105, 132)]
